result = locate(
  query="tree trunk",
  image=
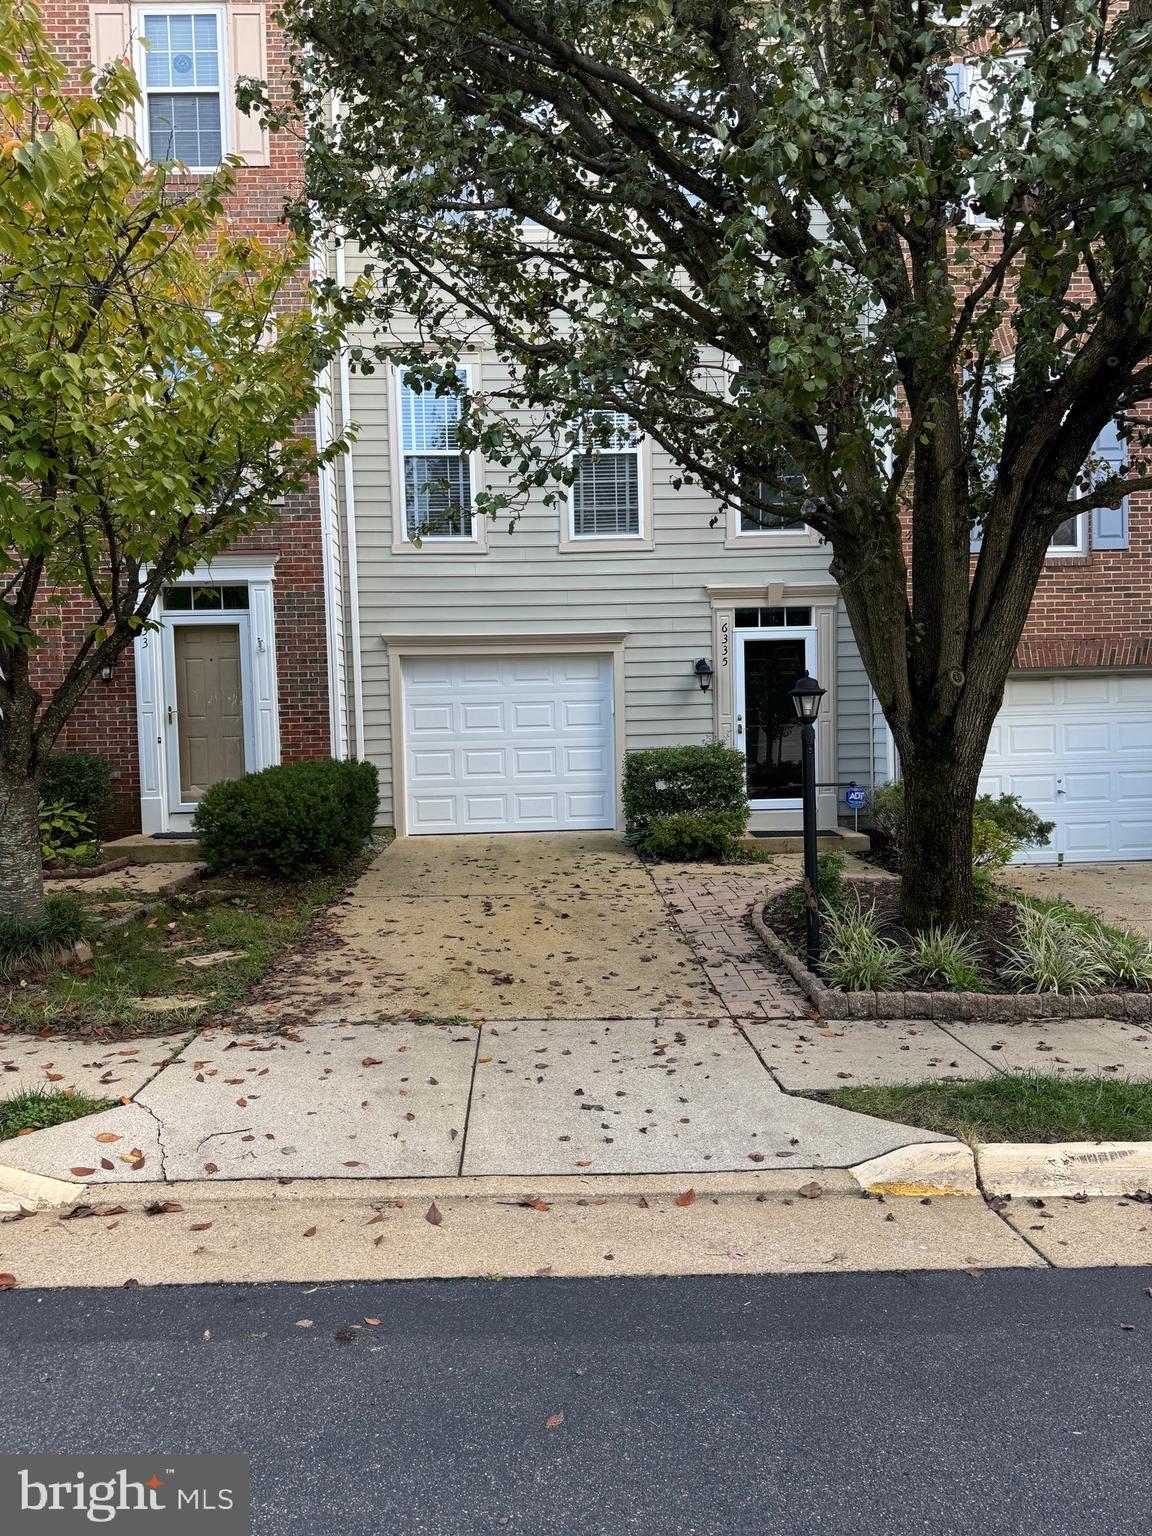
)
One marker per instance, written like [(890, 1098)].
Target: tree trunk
[(939, 793), (21, 876)]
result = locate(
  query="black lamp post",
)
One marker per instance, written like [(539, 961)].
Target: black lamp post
[(806, 695)]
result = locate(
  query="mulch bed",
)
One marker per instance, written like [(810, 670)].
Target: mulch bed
[(993, 930)]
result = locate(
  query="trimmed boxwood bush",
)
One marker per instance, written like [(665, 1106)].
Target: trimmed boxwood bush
[(713, 836), (673, 781), (80, 779), (289, 819)]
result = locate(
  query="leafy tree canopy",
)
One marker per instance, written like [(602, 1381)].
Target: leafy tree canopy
[(778, 235)]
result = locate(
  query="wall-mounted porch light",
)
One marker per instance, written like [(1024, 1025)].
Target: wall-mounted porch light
[(107, 672), (703, 671)]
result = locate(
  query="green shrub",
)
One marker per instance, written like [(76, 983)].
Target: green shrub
[(949, 956), (1013, 817), (289, 819), (1001, 827), (670, 781), (856, 958), (25, 943), (62, 827), (713, 836), (82, 779), (830, 890)]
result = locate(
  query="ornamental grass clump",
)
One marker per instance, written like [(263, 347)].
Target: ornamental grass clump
[(948, 956), (856, 957), (1051, 955)]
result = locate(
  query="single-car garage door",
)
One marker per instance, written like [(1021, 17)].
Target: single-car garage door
[(508, 743), (1078, 751)]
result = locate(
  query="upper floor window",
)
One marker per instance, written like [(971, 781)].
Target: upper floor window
[(183, 85), (606, 501), (772, 504), (437, 472)]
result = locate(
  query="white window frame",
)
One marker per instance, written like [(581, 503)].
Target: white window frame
[(475, 542), (603, 543), (1071, 551), (976, 104), (738, 537), (223, 90)]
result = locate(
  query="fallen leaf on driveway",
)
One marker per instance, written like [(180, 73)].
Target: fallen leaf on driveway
[(534, 1205), (7, 1282), (303, 1322), (554, 1421), (433, 1215), (686, 1198), (344, 1335), (371, 1061), (373, 1322), (311, 1232)]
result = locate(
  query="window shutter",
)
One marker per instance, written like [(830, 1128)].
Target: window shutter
[(249, 57), (1110, 524), (110, 34)]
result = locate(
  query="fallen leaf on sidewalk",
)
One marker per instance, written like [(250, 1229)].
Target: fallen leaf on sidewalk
[(200, 1226), (81, 1173), (107, 1137), (211, 1168), (534, 1205), (371, 1061), (310, 1232), (7, 1282), (162, 1208), (686, 1198), (811, 1191), (433, 1215), (554, 1421)]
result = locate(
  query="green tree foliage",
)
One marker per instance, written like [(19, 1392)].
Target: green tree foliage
[(777, 237), (151, 395)]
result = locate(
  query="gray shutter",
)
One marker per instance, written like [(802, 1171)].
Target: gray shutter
[(1110, 524)]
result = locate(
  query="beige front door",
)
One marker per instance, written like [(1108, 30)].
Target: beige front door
[(209, 705)]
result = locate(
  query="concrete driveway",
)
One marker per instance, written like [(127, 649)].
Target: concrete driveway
[(1120, 893), (539, 926)]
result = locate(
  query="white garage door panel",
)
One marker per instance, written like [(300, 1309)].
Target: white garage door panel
[(509, 743), (1077, 751)]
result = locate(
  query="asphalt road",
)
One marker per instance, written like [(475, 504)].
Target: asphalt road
[(1016, 1401)]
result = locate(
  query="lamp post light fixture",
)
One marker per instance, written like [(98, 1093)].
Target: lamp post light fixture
[(107, 672), (806, 694), (703, 671)]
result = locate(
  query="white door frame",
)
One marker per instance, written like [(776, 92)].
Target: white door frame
[(160, 808), (740, 639)]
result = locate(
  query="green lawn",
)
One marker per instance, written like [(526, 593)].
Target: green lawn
[(35, 1109), (1019, 1108), (150, 959)]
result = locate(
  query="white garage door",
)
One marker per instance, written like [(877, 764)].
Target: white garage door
[(1078, 751), (509, 743)]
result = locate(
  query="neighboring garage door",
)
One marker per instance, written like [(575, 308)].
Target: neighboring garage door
[(508, 743), (1078, 751)]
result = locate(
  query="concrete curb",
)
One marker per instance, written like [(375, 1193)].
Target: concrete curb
[(923, 1168), (995, 1007), (1065, 1168), (34, 1191)]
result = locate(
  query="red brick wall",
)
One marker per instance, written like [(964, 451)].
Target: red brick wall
[(105, 721)]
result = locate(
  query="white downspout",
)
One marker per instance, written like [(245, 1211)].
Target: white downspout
[(350, 526)]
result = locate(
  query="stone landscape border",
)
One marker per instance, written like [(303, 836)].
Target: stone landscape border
[(87, 871), (1006, 1006)]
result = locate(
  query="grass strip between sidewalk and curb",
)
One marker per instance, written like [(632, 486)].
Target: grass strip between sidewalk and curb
[(1020, 1107), (36, 1109)]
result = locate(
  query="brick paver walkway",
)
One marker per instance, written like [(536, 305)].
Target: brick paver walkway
[(711, 906)]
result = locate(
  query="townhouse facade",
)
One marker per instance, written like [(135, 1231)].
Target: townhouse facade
[(235, 678), (498, 677)]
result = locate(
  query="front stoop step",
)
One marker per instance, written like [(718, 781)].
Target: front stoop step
[(140, 848), (793, 842)]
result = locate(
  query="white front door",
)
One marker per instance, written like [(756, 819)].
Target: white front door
[(1077, 749), (508, 743), (767, 663)]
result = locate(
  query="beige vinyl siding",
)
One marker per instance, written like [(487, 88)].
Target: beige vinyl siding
[(854, 714), (525, 584)]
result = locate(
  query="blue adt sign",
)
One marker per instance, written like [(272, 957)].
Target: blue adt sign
[(855, 797)]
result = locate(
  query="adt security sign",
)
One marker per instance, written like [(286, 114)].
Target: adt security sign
[(855, 797)]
